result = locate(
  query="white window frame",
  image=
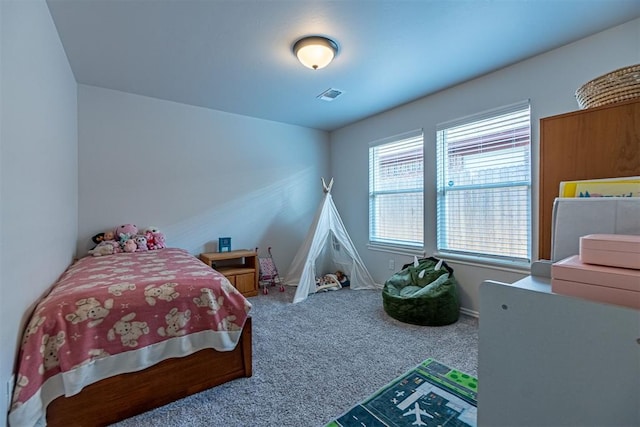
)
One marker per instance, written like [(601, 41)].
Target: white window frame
[(376, 240), (521, 256)]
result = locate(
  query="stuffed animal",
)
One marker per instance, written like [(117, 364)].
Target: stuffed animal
[(342, 278), (130, 246), (103, 248), (128, 230), (328, 282), (123, 239), (151, 244), (108, 235), (150, 233), (116, 246), (158, 238), (141, 242)]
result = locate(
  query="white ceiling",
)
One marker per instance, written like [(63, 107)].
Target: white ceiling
[(235, 56)]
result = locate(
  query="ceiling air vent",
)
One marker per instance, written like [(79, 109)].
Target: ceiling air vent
[(330, 94)]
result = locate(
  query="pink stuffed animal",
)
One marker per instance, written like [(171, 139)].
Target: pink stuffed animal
[(116, 246), (158, 238), (125, 232), (130, 245)]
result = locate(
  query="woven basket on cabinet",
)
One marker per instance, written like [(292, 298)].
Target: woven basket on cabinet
[(619, 85)]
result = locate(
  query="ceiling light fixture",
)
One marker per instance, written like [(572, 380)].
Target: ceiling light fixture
[(315, 52)]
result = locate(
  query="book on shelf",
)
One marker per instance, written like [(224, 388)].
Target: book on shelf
[(608, 187)]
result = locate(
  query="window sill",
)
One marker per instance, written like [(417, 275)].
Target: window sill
[(399, 250), (513, 267)]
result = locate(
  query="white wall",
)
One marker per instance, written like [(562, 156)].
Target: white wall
[(195, 173), (38, 168), (548, 80)]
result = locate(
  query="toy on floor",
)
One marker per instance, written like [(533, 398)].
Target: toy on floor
[(343, 279), (328, 282), (268, 273)]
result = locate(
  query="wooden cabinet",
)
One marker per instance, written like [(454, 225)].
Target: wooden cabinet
[(240, 267), (601, 142)]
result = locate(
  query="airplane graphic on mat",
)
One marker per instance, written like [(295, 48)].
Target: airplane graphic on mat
[(418, 412)]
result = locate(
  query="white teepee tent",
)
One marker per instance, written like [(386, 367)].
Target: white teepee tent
[(327, 248)]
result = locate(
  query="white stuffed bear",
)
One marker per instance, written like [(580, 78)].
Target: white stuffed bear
[(206, 299), (129, 331), (49, 351), (176, 320), (103, 248), (90, 308), (164, 292)]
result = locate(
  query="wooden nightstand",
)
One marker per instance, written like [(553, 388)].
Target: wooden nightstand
[(240, 267)]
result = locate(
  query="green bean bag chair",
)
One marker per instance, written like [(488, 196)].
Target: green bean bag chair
[(422, 295)]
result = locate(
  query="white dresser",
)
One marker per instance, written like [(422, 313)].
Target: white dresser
[(553, 360)]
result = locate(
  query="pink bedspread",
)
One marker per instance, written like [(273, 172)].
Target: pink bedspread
[(121, 313)]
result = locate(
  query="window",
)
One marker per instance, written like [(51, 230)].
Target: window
[(484, 185), (396, 181)]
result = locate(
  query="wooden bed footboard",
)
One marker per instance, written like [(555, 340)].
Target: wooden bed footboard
[(123, 396)]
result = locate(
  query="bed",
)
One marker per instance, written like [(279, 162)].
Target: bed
[(121, 334)]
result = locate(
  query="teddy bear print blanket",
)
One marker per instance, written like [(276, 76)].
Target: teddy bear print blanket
[(121, 313)]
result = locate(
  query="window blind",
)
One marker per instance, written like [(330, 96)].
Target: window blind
[(484, 185), (396, 182)]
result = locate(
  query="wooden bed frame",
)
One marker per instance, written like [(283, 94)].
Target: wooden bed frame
[(123, 396)]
